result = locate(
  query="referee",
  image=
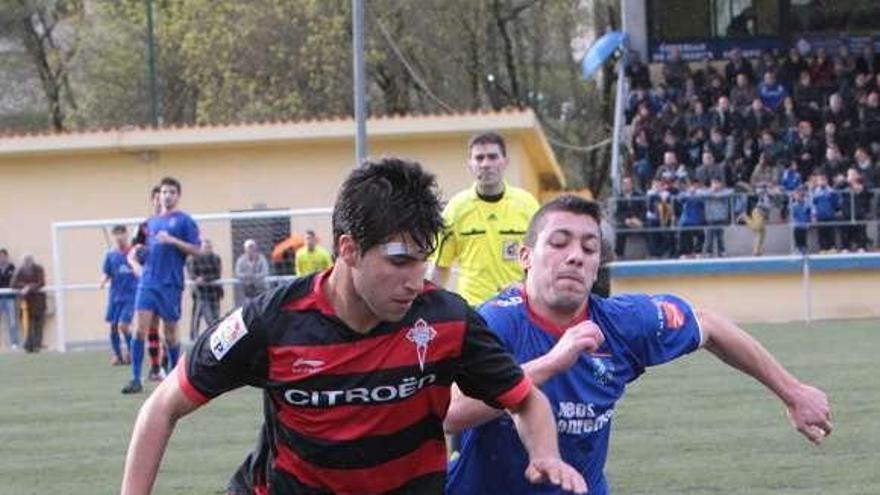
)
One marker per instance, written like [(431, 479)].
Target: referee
[(485, 226), (356, 363)]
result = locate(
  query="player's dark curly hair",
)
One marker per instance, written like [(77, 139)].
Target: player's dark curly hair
[(387, 197), (567, 202)]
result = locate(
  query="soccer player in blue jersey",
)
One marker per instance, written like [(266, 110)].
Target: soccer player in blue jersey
[(172, 236), (582, 350), (120, 301)]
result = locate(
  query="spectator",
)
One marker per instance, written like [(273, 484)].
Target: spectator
[(718, 199), (697, 118), (791, 69), (771, 92), (660, 216), (856, 209), (791, 179), (629, 214), (7, 300), (675, 70), (869, 116), (846, 122), (717, 89), (643, 152), (869, 61), (826, 208), (766, 63), (251, 270), (204, 270), (666, 171), (742, 94), (30, 279), (831, 138), (749, 152), (788, 120), (720, 146), (821, 69), (756, 221), (693, 148), (738, 65), (765, 181), (312, 258), (724, 118), (807, 96), (770, 145), (757, 118), (710, 169), (637, 72), (692, 220), (801, 215), (869, 172), (835, 164), (806, 149), (692, 91)]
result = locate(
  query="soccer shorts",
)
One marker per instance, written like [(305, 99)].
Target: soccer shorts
[(163, 301), (120, 312)]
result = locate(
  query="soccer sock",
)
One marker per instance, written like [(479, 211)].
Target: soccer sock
[(115, 342), (137, 358), (153, 341), (173, 354)]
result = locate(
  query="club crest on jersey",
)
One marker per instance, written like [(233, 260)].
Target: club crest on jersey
[(421, 334), (227, 334), (671, 316)]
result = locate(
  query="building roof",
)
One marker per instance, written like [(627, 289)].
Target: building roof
[(520, 122)]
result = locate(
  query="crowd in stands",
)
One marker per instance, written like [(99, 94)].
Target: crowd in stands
[(790, 138)]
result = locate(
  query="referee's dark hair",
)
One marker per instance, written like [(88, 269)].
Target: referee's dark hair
[(568, 203), (488, 138), (387, 197)]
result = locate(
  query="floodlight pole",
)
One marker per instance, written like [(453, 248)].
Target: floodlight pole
[(151, 65), (618, 107), (360, 102)]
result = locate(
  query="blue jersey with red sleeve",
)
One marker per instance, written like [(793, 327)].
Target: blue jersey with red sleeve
[(165, 261), (640, 331), (123, 281)]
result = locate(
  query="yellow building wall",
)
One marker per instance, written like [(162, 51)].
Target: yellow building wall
[(770, 297), (40, 189)]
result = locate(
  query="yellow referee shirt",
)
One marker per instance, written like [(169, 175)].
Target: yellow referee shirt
[(308, 262), (484, 238)]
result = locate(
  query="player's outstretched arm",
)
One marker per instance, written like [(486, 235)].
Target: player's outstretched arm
[(152, 429), (465, 412), (807, 406), (537, 430)]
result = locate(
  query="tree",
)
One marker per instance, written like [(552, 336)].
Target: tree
[(48, 31)]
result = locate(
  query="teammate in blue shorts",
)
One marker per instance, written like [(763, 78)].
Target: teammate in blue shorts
[(171, 236), (120, 301), (582, 350)]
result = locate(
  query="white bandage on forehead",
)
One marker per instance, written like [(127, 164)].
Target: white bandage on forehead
[(401, 249)]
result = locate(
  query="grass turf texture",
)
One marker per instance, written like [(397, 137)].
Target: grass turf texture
[(691, 427)]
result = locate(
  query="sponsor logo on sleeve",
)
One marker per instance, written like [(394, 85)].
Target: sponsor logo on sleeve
[(670, 315), (227, 334)]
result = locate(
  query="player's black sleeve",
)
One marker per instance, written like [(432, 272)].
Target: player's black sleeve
[(487, 371), (229, 355)]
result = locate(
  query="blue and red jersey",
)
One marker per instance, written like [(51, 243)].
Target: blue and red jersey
[(640, 331)]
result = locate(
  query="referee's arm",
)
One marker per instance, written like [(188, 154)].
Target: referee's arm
[(154, 425)]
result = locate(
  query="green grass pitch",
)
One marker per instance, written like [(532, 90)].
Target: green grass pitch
[(690, 427)]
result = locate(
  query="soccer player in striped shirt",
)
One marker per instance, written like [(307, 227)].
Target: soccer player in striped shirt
[(583, 350), (356, 363)]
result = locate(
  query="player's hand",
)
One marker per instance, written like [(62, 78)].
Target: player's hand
[(556, 472), (164, 237), (583, 337), (810, 414)]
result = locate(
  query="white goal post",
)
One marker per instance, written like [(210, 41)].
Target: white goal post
[(78, 248)]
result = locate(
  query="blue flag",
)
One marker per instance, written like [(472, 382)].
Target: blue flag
[(600, 51)]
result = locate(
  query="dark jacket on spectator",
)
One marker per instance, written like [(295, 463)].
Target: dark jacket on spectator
[(34, 276), (6, 274)]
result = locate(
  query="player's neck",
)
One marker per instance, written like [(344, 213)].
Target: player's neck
[(490, 191), (559, 318), (347, 305)]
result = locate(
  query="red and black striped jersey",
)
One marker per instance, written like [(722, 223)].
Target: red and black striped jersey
[(350, 413)]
